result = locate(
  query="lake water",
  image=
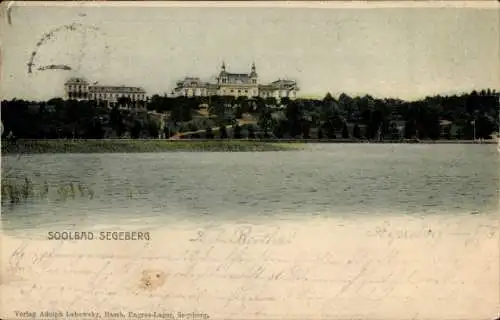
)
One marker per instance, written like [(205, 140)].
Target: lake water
[(330, 232), (323, 180)]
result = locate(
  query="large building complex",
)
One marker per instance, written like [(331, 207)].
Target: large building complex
[(80, 89), (237, 85)]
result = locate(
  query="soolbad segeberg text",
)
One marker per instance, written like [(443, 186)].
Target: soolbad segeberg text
[(101, 235)]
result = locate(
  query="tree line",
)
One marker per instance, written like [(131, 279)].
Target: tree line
[(460, 116)]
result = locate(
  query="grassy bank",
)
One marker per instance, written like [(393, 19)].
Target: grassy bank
[(134, 146), (403, 141), (157, 145)]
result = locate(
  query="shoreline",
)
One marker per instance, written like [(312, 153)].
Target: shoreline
[(195, 145), (138, 146)]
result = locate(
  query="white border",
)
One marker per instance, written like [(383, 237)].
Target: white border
[(268, 4)]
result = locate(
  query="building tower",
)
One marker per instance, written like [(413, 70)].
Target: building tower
[(253, 74), (223, 74)]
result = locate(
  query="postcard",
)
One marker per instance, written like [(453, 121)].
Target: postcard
[(250, 160)]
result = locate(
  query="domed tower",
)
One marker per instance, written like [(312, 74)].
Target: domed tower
[(253, 74)]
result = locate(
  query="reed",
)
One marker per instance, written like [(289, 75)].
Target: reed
[(15, 191)]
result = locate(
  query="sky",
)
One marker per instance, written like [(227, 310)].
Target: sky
[(392, 51)]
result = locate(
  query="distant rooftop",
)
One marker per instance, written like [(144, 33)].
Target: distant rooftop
[(116, 88), (98, 87), (77, 80)]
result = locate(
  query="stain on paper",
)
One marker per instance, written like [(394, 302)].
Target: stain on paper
[(152, 279)]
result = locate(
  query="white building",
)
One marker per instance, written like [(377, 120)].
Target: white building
[(237, 85), (80, 89)]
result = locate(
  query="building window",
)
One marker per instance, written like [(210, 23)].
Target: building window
[(254, 81)]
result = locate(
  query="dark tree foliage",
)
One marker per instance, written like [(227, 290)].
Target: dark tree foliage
[(356, 132), (306, 129), (280, 129), (345, 132), (223, 132), (95, 130), (320, 133), (135, 132), (410, 130), (167, 131), (153, 129), (209, 133), (293, 114), (116, 121), (460, 116), (251, 132), (237, 132)]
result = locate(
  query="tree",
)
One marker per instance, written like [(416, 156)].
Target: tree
[(394, 132), (153, 128), (181, 110), (58, 118), (356, 132), (320, 133), (279, 128), (223, 132), (306, 129), (409, 130), (167, 132), (347, 107), (251, 132), (237, 132), (208, 133), (135, 131), (238, 112), (270, 101), (95, 130), (447, 132), (265, 120), (116, 121), (294, 115), (345, 132), (285, 101), (328, 98)]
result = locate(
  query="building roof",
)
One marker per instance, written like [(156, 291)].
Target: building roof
[(266, 87), (235, 77), (191, 82), (283, 83), (279, 84), (77, 80), (117, 88)]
